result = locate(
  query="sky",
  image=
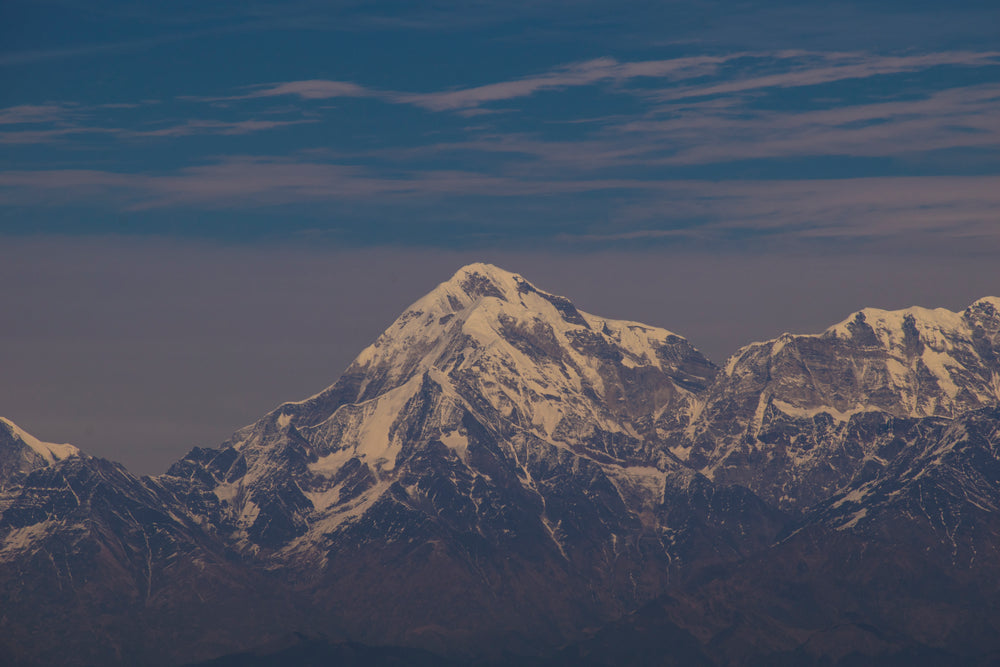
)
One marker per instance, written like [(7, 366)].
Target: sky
[(209, 208)]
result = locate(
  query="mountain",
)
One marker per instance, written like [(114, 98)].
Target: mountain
[(88, 550), (500, 474), (799, 417), (490, 465), (21, 452)]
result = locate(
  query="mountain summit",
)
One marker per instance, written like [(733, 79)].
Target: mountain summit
[(800, 416), (22, 452)]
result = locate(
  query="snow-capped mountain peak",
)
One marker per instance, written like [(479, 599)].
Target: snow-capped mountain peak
[(875, 366), (892, 328), (486, 350), (22, 452), (483, 311)]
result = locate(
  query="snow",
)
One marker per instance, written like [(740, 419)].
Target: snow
[(645, 481), (337, 515), (681, 452), (328, 465), (376, 443), (779, 344), (457, 442), (432, 332), (937, 363), (227, 492), (932, 325), (855, 496), (758, 417), (21, 539), (898, 373), (551, 530), (853, 521), (50, 452), (809, 413), (284, 420)]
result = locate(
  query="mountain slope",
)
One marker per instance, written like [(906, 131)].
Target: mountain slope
[(799, 417), (100, 567)]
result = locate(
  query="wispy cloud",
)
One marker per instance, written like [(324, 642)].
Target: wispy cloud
[(585, 73), (62, 130), (835, 67), (949, 119), (955, 210), (314, 89), (252, 181), (795, 69), (33, 113), (215, 127), (903, 209), (714, 131), (664, 164)]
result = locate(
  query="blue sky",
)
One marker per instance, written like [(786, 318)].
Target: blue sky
[(664, 161)]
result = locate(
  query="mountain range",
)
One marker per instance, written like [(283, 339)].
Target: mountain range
[(501, 478)]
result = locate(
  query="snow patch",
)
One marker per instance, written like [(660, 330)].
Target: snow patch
[(375, 441), (227, 492), (681, 452), (937, 363), (853, 521), (809, 413), (855, 496), (328, 465), (21, 539), (339, 515), (456, 442)]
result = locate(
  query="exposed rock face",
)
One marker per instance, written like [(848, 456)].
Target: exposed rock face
[(500, 471), (799, 417)]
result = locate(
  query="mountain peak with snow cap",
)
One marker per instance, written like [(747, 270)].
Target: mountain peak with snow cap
[(490, 414), (22, 452), (484, 311), (484, 352)]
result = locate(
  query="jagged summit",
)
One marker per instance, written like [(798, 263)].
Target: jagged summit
[(480, 280), (484, 311), (22, 452), (858, 375), (892, 327), (498, 345), (913, 361)]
